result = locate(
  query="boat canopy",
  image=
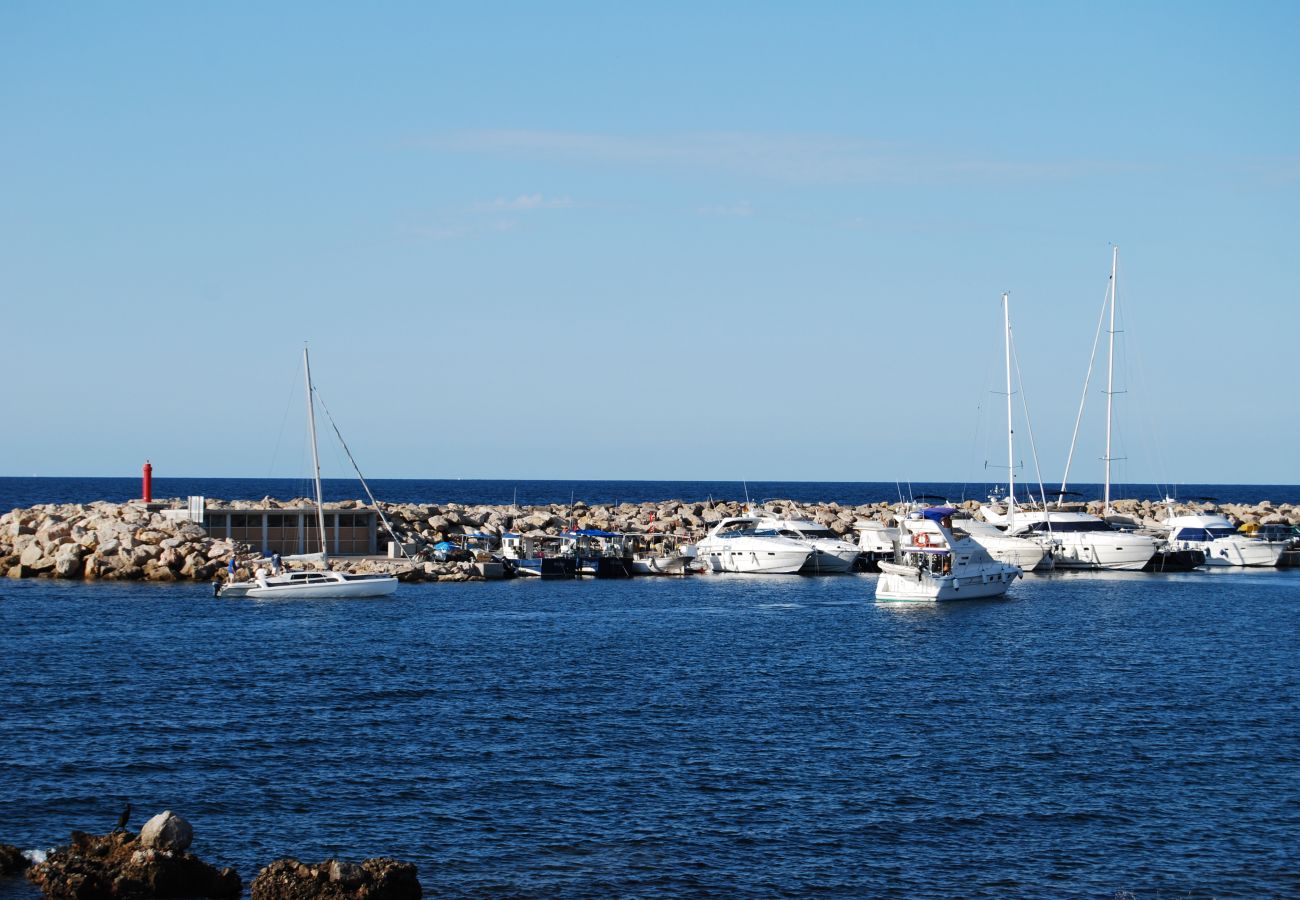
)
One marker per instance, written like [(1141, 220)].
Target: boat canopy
[(938, 513), (596, 532)]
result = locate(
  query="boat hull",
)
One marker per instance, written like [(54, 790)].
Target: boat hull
[(830, 561), (903, 584), (546, 567), (360, 586), (757, 562), (661, 565)]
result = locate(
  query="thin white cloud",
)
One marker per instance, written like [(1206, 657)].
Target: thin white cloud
[(742, 210), (785, 157), (522, 203)]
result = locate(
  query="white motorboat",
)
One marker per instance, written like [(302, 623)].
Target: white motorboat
[(876, 542), (1014, 551), (1076, 540), (737, 544), (1222, 544), (324, 584), (937, 561), (831, 554)]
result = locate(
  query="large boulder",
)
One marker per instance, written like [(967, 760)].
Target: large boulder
[(116, 867), (167, 831), (374, 879)]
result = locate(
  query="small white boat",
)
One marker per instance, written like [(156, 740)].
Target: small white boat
[(656, 553), (737, 544), (310, 585), (936, 561), (1222, 544)]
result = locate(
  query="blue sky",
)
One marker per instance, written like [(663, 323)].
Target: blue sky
[(690, 241)]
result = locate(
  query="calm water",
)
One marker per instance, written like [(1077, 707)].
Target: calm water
[(30, 491), (732, 736)]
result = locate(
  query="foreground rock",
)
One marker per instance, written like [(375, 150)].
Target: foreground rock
[(12, 860), (119, 867), (374, 879)]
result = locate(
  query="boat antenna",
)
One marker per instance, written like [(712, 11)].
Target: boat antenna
[(373, 502), (1011, 452), (315, 457), (1083, 398)]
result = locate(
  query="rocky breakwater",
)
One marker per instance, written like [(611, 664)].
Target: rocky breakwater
[(1152, 513), (109, 541), (123, 866)]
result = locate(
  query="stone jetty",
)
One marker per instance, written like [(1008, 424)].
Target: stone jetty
[(129, 541)]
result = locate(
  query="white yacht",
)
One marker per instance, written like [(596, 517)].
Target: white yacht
[(831, 554), (937, 561), (1222, 544), (1076, 540), (1014, 551), (737, 544)]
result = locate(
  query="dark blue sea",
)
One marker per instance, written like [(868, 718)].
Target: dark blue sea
[(727, 736), (29, 491)]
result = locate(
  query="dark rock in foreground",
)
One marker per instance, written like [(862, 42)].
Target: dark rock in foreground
[(118, 867), (12, 860), (374, 879)]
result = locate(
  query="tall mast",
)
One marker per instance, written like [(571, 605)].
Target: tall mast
[(1011, 453), (1110, 376), (315, 458)]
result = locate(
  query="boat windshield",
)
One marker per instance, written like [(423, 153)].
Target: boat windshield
[(1060, 527), (1205, 534), (822, 533)]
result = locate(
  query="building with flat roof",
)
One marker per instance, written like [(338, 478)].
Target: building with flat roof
[(348, 532)]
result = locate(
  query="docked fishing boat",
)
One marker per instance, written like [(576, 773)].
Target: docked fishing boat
[(737, 544), (311, 584), (660, 553), (601, 554), (539, 555), (937, 561), (831, 554), (1223, 545)]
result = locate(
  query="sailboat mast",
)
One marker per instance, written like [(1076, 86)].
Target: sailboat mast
[(1011, 453), (1110, 377), (315, 457)]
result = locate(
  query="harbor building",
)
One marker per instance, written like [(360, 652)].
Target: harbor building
[(348, 532)]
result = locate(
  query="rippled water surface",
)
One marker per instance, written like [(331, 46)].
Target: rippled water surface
[(723, 735)]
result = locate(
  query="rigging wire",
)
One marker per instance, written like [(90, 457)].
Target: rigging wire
[(373, 502), (1083, 398), (1029, 425)]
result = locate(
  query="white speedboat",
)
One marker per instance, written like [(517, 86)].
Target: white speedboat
[(937, 561), (737, 544), (1222, 544), (831, 554), (1078, 540), (310, 585)]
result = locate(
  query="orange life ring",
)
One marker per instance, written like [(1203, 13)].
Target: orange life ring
[(922, 539)]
